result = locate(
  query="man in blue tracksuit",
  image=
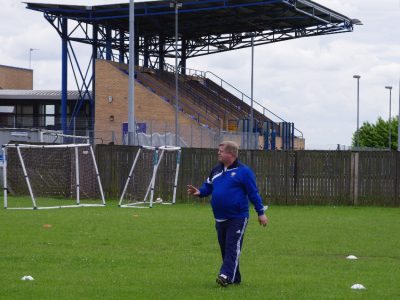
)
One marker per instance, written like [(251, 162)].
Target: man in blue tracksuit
[(231, 184)]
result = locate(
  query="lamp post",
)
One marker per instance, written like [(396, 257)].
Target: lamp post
[(131, 92), (251, 94), (390, 113), (30, 56), (358, 110), (175, 4), (250, 134), (398, 124)]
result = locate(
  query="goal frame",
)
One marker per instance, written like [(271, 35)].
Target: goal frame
[(150, 189), (27, 180)]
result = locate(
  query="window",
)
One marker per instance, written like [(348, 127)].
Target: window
[(50, 119)]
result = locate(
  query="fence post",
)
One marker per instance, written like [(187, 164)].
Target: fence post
[(286, 176), (201, 137), (397, 179), (354, 177), (191, 135)]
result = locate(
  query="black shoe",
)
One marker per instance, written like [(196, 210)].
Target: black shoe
[(222, 280)]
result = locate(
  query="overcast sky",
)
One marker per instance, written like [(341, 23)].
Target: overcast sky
[(308, 81)]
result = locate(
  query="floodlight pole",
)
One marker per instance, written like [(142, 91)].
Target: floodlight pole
[(390, 113), (398, 124), (251, 93), (358, 110), (131, 94), (175, 4), (30, 56)]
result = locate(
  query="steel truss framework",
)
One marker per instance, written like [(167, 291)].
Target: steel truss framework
[(205, 27)]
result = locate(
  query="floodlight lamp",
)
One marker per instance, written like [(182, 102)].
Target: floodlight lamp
[(356, 22), (388, 87), (222, 47), (250, 34), (357, 76), (173, 3)]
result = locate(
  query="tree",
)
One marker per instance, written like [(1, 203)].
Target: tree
[(377, 135)]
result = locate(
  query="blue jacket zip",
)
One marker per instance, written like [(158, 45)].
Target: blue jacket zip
[(231, 191)]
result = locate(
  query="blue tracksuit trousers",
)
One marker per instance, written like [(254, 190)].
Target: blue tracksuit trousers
[(230, 238)]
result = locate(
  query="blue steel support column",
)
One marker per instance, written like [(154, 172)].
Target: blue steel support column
[(266, 129), (146, 54), (183, 57), (121, 46), (64, 73), (284, 135), (292, 133), (136, 48), (285, 139), (108, 43), (161, 53), (287, 136), (273, 139)]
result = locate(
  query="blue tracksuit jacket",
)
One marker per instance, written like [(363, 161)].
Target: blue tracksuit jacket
[(231, 191)]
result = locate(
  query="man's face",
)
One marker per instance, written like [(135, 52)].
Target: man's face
[(225, 157)]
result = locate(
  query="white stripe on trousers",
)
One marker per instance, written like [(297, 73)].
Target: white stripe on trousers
[(238, 249)]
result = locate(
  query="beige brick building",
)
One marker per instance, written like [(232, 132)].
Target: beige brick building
[(12, 78), (111, 90)]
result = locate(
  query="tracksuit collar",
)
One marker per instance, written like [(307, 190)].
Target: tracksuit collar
[(235, 164)]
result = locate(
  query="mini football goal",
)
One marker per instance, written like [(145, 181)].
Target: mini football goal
[(57, 137), (153, 174), (53, 176)]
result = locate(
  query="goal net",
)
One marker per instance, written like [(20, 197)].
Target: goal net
[(52, 176), (152, 178)]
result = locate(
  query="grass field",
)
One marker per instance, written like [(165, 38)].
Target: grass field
[(171, 252)]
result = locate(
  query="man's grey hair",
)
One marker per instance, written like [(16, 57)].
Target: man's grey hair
[(231, 147)]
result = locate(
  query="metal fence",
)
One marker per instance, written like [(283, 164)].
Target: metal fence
[(283, 177), (160, 132)]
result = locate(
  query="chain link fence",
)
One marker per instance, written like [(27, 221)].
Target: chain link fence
[(159, 133), (148, 132)]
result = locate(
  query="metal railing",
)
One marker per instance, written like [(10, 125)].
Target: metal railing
[(229, 88), (233, 90)]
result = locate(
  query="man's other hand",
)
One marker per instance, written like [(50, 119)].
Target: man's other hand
[(193, 190), (263, 220)]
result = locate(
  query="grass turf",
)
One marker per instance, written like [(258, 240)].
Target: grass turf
[(171, 252)]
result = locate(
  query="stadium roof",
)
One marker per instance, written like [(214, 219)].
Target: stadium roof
[(205, 17), (18, 68), (36, 94)]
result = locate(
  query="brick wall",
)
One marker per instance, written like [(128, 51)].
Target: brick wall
[(149, 107), (16, 78)]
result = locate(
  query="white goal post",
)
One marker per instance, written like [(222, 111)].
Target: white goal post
[(144, 177), (57, 137), (59, 175)]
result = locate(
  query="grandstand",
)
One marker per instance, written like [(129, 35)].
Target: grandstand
[(207, 110)]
